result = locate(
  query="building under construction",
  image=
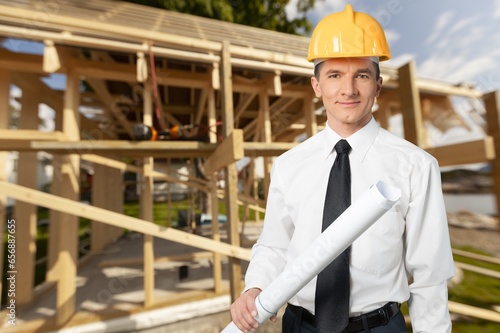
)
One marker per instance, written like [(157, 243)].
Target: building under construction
[(212, 93)]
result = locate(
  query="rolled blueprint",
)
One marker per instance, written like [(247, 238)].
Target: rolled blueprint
[(355, 220)]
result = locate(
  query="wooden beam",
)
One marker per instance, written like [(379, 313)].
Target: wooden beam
[(52, 98), (478, 151), (228, 152), (477, 269), (472, 311), (410, 105), (196, 183), (146, 205), (492, 106), (121, 147), (446, 89), (255, 149), (310, 116), (105, 178), (25, 213), (176, 149), (31, 134), (472, 255), (21, 62), (119, 220), (231, 174), (68, 224), (266, 135)]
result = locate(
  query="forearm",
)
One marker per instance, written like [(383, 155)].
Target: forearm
[(428, 307)]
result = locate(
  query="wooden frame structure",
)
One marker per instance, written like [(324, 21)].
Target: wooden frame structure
[(247, 88)]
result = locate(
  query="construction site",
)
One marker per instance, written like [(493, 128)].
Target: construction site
[(158, 106)]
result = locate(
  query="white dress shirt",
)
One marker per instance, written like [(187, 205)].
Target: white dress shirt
[(411, 241)]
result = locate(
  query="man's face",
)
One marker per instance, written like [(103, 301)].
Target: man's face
[(348, 87)]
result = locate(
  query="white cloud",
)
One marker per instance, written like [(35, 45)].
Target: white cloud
[(465, 23), (440, 66), (496, 13), (441, 22), (400, 60), (392, 36), (291, 10)]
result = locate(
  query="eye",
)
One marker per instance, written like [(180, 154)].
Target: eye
[(334, 75), (363, 76)]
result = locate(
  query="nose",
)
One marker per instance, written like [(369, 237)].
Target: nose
[(349, 87)]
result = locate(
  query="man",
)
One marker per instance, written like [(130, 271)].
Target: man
[(406, 254)]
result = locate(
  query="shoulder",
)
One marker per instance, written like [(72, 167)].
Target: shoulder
[(390, 142)]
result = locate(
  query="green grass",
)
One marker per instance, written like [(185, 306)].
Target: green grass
[(476, 290)]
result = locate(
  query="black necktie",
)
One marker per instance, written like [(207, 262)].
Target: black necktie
[(333, 287)]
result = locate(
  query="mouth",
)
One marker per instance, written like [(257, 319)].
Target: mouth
[(348, 103)]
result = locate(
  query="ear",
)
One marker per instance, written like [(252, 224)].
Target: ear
[(315, 86)]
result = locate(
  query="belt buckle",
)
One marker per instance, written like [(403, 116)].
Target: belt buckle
[(384, 316)]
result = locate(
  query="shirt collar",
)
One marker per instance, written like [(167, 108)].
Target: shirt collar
[(360, 141)]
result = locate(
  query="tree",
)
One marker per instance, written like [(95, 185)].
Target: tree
[(266, 14)]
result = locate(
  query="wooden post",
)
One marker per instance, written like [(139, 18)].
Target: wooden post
[(212, 194), (231, 174), (106, 193), (309, 116), (383, 113), (25, 213), (146, 202), (4, 124), (410, 105), (69, 187), (54, 219), (265, 117), (492, 106)]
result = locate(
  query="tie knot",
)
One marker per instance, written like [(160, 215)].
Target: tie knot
[(342, 147)]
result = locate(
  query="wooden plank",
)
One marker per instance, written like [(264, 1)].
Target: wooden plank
[(119, 220), (477, 151), (472, 311), (143, 148), (229, 151), (169, 258), (31, 135), (410, 105), (493, 260), (479, 270), (174, 149)]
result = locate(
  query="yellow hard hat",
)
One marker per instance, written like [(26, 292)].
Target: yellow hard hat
[(348, 34)]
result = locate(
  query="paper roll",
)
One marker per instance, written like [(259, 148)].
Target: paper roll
[(355, 220)]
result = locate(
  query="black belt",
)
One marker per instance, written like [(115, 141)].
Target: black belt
[(374, 318)]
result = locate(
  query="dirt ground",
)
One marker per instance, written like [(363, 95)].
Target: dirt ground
[(482, 239)]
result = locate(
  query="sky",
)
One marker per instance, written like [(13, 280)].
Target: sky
[(456, 41)]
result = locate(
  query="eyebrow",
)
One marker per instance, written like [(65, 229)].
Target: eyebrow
[(364, 71), (359, 71)]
